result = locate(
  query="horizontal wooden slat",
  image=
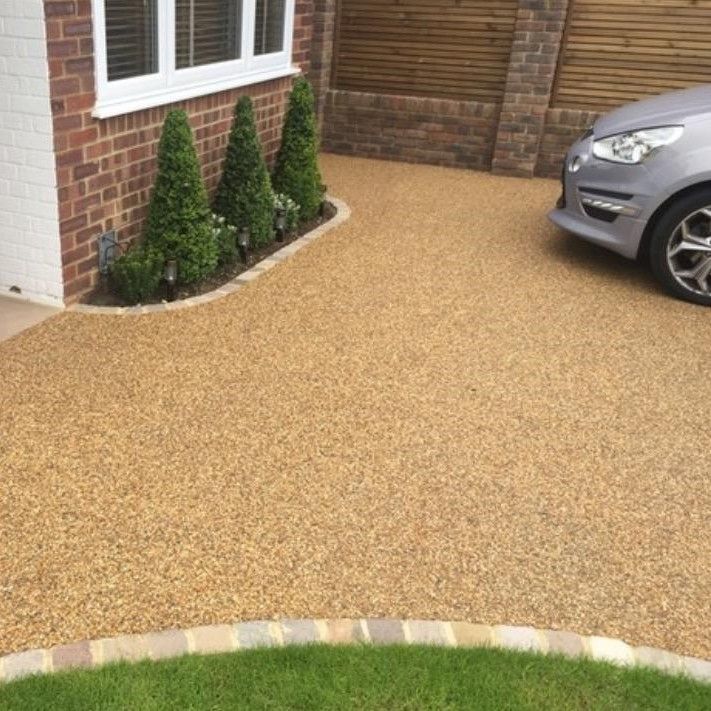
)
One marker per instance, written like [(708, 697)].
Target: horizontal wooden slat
[(455, 49), (622, 50)]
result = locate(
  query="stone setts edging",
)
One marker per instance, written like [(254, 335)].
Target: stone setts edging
[(214, 639), (342, 214)]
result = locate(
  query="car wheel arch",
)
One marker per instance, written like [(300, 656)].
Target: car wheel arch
[(643, 250)]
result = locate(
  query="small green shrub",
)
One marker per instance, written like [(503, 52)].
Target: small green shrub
[(136, 274), (296, 173), (226, 237), (244, 195), (284, 202), (179, 219)]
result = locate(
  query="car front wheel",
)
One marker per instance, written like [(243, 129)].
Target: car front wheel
[(680, 248)]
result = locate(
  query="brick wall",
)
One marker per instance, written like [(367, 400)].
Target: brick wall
[(106, 168), (563, 127), (415, 129), (532, 67), (29, 229), (504, 137), (324, 20)]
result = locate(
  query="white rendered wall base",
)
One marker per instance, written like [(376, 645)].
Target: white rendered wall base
[(30, 257)]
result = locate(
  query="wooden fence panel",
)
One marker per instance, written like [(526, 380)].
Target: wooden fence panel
[(451, 49), (616, 51)]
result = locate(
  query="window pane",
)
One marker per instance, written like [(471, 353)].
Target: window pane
[(269, 26), (131, 38), (207, 31)]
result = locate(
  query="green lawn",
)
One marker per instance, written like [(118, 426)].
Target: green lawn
[(360, 677)]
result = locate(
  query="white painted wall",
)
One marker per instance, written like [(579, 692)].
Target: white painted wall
[(30, 255)]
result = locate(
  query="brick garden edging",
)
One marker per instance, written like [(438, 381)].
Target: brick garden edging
[(277, 633), (343, 212)]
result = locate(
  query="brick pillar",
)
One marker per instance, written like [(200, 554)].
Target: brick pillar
[(534, 56), (324, 21)]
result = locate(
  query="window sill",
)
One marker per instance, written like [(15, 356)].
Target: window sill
[(117, 107)]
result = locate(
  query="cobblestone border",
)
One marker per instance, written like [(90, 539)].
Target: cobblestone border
[(276, 633), (343, 212)]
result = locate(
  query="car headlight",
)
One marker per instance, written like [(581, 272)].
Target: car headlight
[(633, 147)]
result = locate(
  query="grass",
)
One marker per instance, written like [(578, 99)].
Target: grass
[(362, 677)]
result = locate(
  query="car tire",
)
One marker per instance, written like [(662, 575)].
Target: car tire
[(667, 266)]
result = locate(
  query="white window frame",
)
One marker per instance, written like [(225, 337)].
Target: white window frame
[(169, 84)]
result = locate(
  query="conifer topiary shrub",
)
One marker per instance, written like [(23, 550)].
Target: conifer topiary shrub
[(136, 274), (244, 195), (226, 238), (296, 173), (179, 223)]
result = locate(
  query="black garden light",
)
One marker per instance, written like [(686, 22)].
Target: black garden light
[(170, 274), (243, 243), (280, 223)]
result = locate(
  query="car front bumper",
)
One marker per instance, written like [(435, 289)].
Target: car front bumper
[(603, 202)]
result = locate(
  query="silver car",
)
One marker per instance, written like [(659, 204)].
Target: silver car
[(639, 183)]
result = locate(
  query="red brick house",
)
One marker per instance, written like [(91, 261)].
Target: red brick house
[(88, 84)]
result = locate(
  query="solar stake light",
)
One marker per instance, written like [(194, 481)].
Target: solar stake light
[(280, 223), (243, 243), (170, 274)]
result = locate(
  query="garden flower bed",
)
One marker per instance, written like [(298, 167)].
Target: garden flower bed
[(189, 246), (223, 274)]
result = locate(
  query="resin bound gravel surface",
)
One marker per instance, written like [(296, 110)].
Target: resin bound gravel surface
[(444, 408)]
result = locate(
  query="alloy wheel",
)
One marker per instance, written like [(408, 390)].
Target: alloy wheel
[(689, 252)]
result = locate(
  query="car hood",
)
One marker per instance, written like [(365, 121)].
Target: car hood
[(673, 108)]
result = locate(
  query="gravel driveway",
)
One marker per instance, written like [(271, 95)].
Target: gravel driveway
[(445, 408)]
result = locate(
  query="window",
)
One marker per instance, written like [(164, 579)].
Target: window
[(152, 52), (207, 31), (269, 26), (131, 38)]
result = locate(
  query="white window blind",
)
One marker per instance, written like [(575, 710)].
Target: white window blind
[(207, 31), (131, 38), (269, 26)]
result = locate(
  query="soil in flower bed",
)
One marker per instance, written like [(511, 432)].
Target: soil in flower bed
[(223, 274)]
